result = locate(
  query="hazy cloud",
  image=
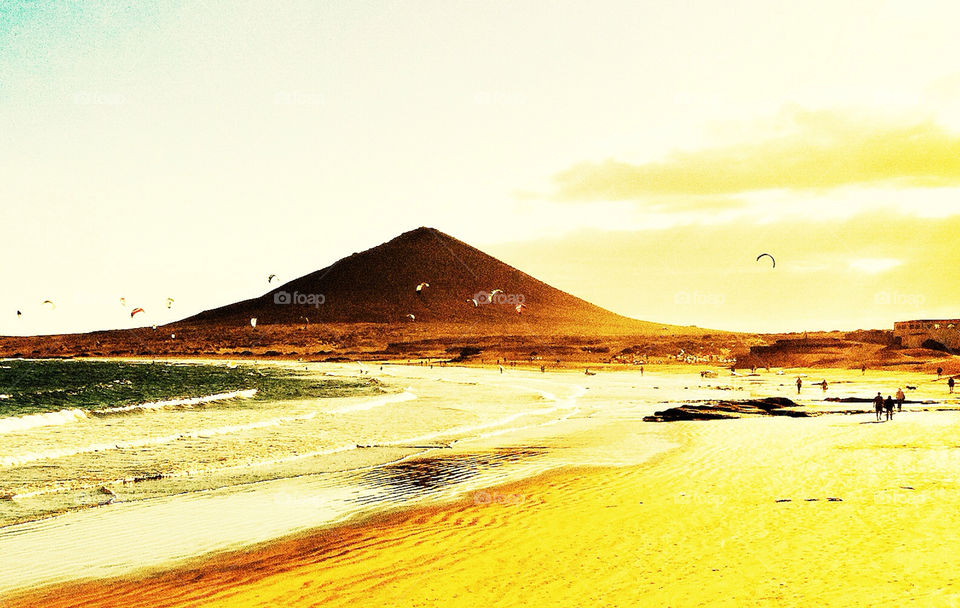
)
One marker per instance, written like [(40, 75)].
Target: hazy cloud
[(866, 271), (815, 150)]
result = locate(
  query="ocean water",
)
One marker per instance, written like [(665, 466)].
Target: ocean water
[(77, 434), (80, 434)]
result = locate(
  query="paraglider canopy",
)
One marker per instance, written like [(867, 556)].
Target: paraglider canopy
[(135, 311), (271, 278), (170, 302), (769, 256), (520, 308), (49, 304), (253, 321), (421, 286), (412, 317)]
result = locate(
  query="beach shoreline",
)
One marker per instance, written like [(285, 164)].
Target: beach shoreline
[(252, 564), (827, 510)]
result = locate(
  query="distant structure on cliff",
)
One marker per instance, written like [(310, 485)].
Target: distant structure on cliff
[(940, 334)]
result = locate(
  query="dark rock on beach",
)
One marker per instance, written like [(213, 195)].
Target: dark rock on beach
[(714, 410)]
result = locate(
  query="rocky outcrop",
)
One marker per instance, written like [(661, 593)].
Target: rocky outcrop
[(718, 410)]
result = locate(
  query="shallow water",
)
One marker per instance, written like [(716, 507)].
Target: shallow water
[(77, 434)]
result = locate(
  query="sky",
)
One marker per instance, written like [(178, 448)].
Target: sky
[(639, 155)]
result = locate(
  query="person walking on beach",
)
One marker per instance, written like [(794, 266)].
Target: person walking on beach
[(878, 405), (823, 385), (900, 398), (863, 369), (799, 384), (950, 384), (939, 372), (888, 405)]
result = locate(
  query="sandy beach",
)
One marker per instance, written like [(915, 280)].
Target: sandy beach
[(831, 510)]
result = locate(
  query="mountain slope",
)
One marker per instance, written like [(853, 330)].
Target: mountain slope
[(379, 285)]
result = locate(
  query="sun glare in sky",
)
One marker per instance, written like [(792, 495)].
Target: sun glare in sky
[(627, 152)]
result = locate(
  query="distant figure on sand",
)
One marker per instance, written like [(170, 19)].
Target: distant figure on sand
[(863, 369), (939, 372), (641, 370), (900, 398), (799, 384), (950, 384), (878, 405), (888, 405), (823, 385)]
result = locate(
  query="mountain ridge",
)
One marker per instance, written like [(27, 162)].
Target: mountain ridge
[(380, 285)]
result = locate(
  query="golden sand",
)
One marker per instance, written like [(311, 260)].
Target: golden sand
[(699, 525)]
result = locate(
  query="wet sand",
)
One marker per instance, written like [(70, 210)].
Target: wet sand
[(833, 510)]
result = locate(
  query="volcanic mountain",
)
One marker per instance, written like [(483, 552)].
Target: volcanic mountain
[(462, 286)]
